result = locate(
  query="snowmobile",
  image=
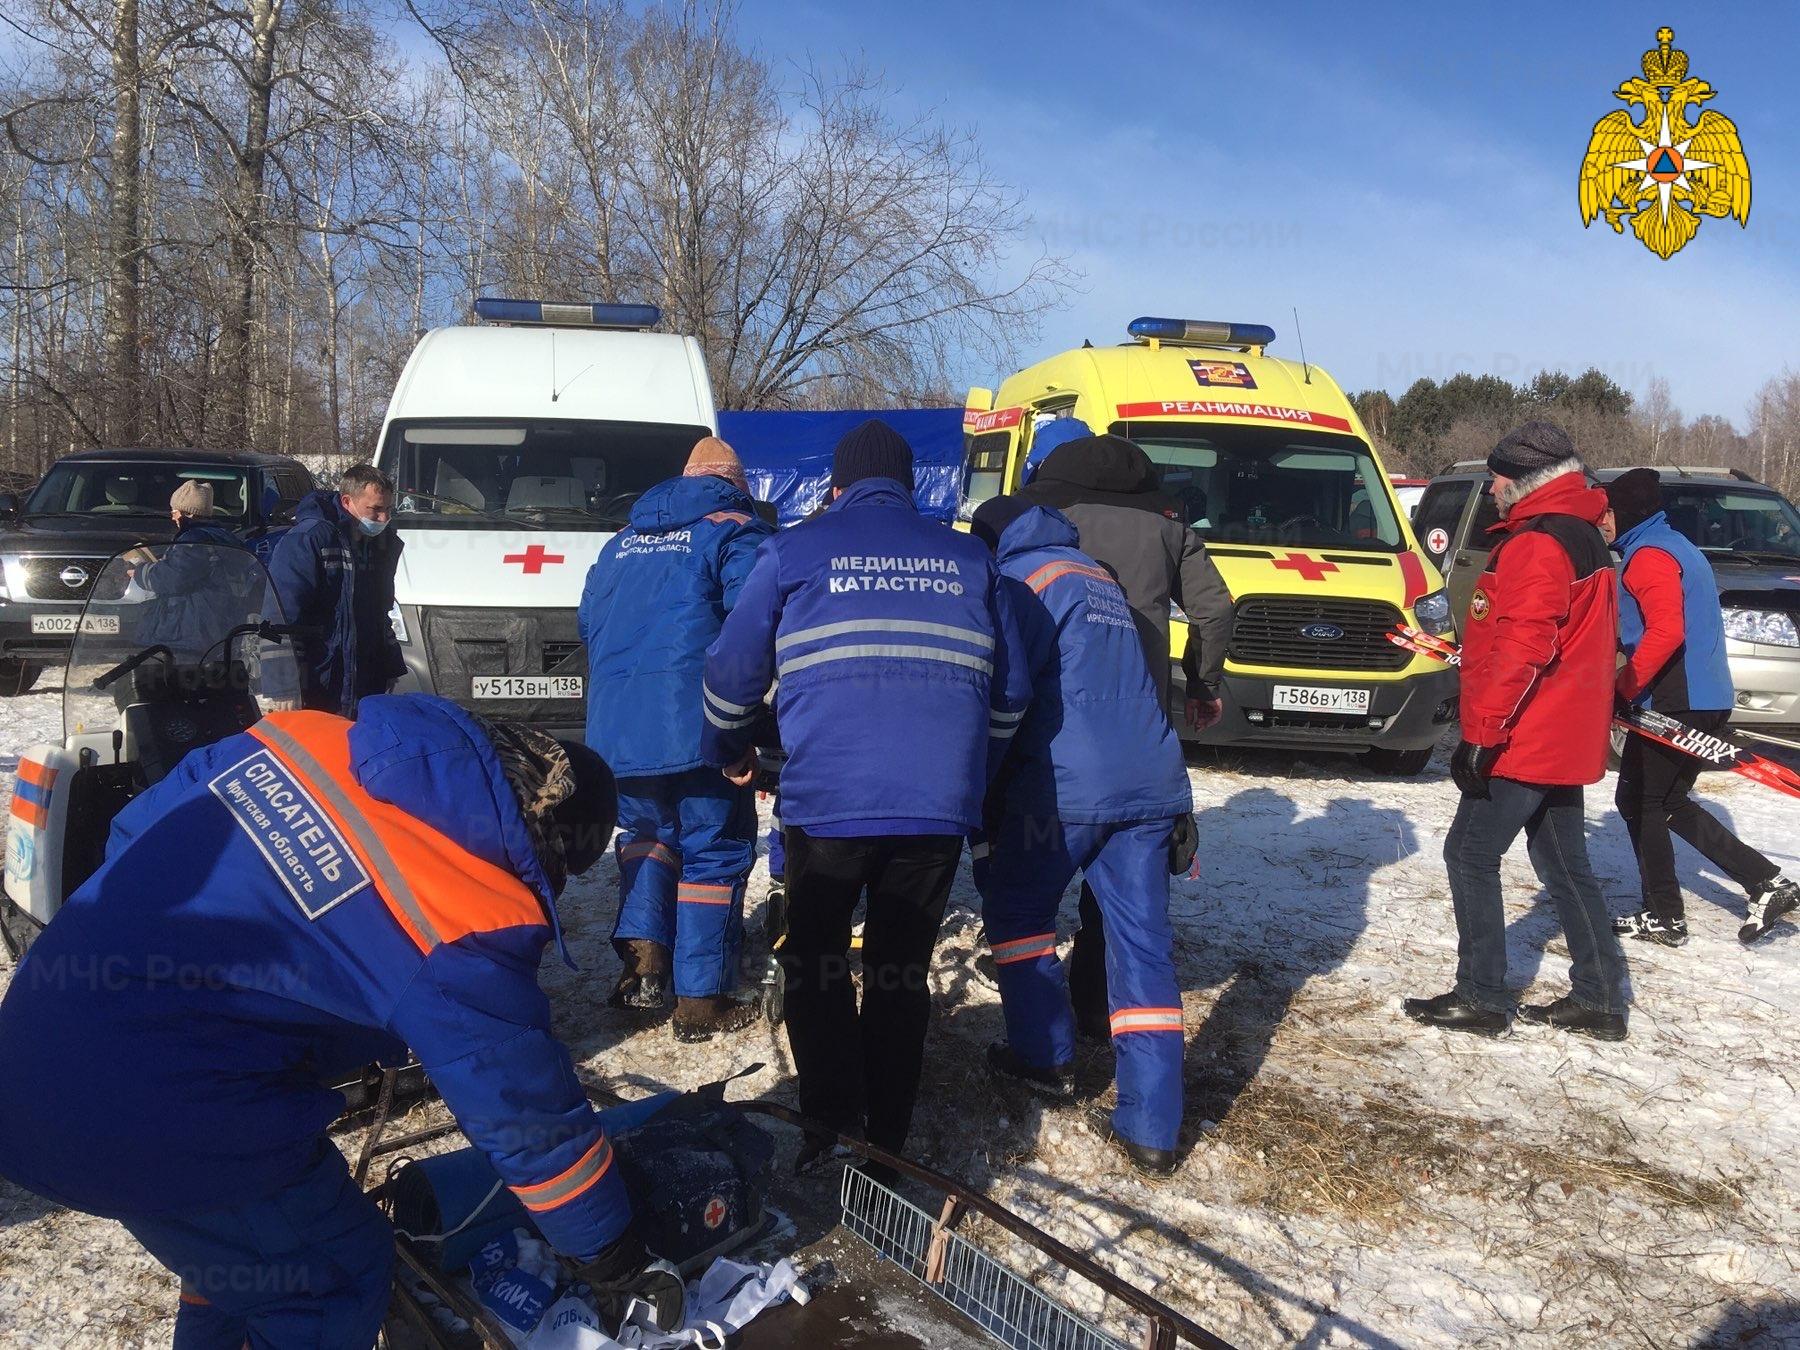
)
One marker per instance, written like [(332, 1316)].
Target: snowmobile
[(179, 645)]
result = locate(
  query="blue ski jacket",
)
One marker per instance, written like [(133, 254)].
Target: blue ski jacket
[(654, 601), (1095, 747), (338, 583), (289, 904), (1695, 676), (898, 661)]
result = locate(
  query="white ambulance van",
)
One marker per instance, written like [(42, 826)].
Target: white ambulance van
[(518, 445)]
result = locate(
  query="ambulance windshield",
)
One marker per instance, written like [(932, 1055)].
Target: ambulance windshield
[(552, 474), (1255, 485)]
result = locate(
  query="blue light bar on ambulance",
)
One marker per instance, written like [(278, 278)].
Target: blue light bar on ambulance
[(497, 310), (1211, 332)]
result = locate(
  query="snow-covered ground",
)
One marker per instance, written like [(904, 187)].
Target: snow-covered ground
[(1353, 1179)]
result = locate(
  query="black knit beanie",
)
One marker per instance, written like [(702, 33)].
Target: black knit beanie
[(872, 450), (1525, 450), (1634, 498)]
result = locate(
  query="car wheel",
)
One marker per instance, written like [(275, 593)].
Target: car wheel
[(16, 676), (1398, 763)]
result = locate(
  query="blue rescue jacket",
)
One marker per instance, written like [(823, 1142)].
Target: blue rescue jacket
[(197, 601), (337, 582), (898, 662), (654, 601), (1095, 747), (167, 1041), (1698, 677)]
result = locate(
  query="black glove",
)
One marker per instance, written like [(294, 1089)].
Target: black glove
[(1471, 767), (624, 1273), (1183, 844)]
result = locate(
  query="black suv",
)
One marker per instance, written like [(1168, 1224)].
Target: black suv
[(93, 505), (1749, 532)]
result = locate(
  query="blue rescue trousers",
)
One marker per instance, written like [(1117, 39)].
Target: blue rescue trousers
[(1030, 862), (308, 1268), (686, 843)]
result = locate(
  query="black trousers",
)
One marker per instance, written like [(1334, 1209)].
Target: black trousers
[(1654, 786), (1087, 969), (859, 1070)]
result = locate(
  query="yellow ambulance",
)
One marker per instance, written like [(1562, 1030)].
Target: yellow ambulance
[(1267, 460)]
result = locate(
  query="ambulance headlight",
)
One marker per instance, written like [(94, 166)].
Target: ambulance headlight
[(1433, 612), (1768, 626), (397, 621)]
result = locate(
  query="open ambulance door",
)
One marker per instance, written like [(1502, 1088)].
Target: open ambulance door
[(990, 436)]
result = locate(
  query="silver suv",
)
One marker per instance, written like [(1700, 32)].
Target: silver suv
[(1749, 532)]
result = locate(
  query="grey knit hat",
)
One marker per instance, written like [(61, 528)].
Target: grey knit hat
[(1526, 449)]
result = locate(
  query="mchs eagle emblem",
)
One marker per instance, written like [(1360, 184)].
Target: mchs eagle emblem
[(1665, 172)]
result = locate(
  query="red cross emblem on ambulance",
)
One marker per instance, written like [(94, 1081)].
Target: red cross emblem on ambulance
[(534, 559), (1311, 569)]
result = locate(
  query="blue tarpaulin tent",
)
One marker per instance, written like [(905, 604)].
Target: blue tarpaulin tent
[(787, 455)]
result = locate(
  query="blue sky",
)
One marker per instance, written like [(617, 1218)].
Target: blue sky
[(1404, 174)]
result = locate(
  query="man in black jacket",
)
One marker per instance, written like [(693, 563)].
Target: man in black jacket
[(1110, 488)]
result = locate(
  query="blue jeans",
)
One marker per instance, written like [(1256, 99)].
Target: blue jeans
[(1479, 837)]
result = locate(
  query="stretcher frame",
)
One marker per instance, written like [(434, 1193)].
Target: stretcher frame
[(929, 1249)]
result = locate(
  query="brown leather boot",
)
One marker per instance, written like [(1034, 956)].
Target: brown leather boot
[(644, 983), (700, 1019)]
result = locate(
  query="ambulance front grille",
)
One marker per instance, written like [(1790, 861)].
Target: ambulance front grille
[(557, 654), (465, 641), (1303, 633)]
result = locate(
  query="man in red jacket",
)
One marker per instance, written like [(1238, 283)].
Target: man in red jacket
[(1539, 650)]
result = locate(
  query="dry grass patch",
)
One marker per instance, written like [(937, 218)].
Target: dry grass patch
[(1376, 1161)]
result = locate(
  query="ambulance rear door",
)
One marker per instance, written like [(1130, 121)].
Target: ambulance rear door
[(989, 437)]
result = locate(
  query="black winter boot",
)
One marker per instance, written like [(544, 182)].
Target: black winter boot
[(1567, 1015), (1449, 1012), (1156, 1163), (1056, 1085), (700, 1019), (644, 983)]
